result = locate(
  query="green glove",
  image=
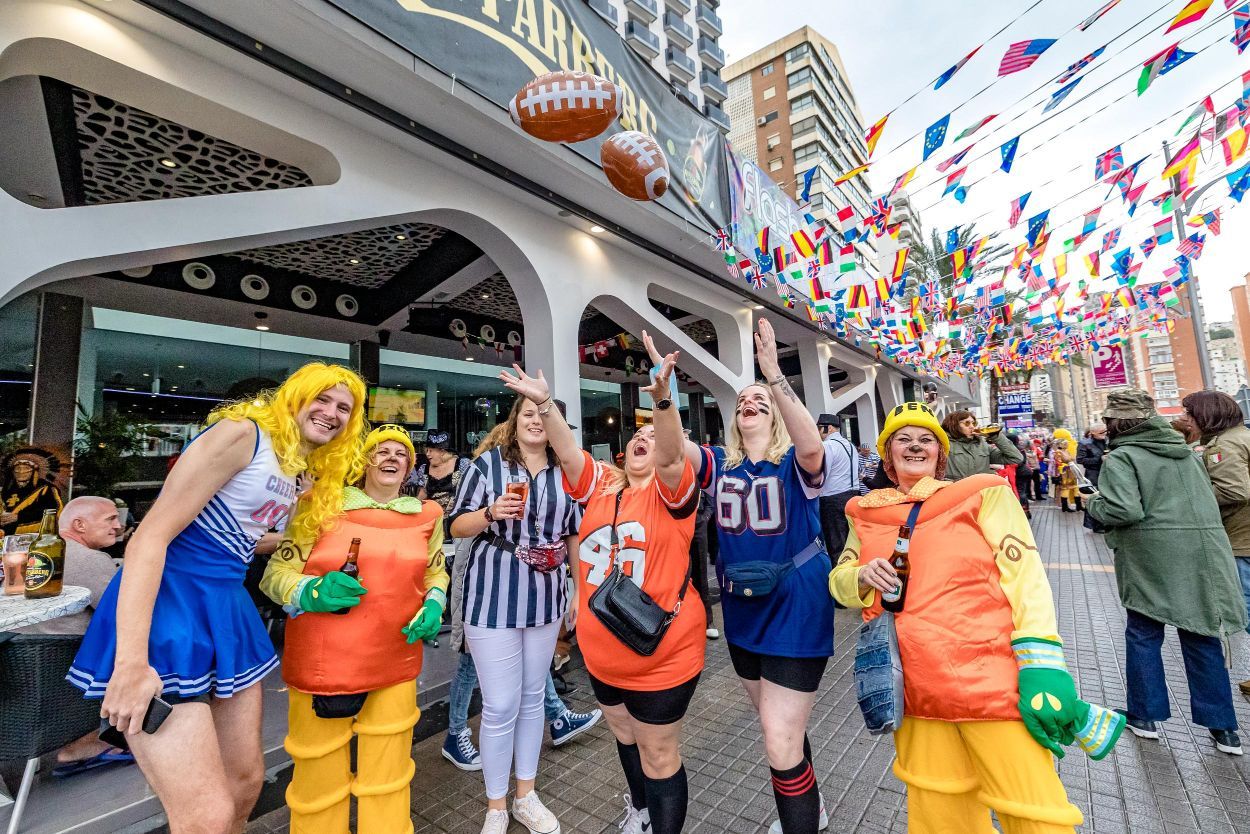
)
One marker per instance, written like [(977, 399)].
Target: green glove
[(1099, 730), (1048, 704), (332, 592), (428, 620)]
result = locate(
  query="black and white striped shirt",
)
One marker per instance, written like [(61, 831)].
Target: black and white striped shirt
[(501, 591)]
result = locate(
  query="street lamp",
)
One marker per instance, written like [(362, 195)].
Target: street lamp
[(1180, 208)]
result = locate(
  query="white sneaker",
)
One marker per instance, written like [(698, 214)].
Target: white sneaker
[(530, 811), (713, 633), (635, 822), (496, 823), (775, 828)]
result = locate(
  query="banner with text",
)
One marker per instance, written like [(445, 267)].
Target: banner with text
[(495, 46)]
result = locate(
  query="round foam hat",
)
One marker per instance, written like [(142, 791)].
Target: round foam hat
[(911, 414)]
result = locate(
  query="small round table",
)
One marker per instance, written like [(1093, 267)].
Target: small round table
[(16, 611)]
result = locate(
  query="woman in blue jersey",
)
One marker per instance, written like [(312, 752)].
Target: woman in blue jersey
[(765, 483), (177, 622)]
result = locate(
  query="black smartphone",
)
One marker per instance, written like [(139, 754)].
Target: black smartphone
[(158, 711)]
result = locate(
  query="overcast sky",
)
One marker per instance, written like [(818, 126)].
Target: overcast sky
[(894, 48)]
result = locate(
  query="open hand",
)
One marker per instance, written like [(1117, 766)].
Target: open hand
[(659, 387), (533, 388), (653, 353), (766, 350)]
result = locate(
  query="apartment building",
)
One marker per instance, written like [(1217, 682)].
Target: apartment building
[(791, 108), (680, 39)]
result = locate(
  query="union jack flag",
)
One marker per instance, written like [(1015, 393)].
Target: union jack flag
[(722, 241), (1108, 162)]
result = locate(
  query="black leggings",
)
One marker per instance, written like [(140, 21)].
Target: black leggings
[(663, 706), (801, 674)]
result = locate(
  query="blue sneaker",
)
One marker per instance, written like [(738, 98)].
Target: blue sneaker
[(572, 724), (459, 750)]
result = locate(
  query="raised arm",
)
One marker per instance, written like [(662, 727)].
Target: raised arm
[(203, 469), (689, 447), (808, 449), (670, 457), (559, 435)]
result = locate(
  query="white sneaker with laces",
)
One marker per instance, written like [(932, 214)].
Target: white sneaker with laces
[(496, 823), (775, 828), (530, 811), (635, 822)]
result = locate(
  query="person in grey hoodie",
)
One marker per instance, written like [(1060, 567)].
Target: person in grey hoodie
[(973, 453)]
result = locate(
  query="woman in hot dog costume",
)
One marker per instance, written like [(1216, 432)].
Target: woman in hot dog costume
[(987, 694), (356, 674)]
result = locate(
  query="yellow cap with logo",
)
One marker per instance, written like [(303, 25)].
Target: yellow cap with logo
[(911, 414)]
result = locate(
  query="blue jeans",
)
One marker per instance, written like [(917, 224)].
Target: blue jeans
[(1243, 571), (465, 681), (1210, 694)]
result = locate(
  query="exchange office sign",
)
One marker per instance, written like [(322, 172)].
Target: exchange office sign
[(495, 46)]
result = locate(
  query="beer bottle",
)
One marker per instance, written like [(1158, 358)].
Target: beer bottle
[(893, 600), (350, 567), (45, 564)]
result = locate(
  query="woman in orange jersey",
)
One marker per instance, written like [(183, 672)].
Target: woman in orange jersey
[(356, 674), (639, 519), (987, 695)]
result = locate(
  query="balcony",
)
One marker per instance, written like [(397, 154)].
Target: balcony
[(645, 42), (716, 115), (682, 7), (715, 4), (644, 10), (687, 95), (714, 86), (713, 56), (680, 33), (605, 10), (709, 21), (681, 66)]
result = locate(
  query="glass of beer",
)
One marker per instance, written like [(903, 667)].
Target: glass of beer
[(518, 485), (14, 562)]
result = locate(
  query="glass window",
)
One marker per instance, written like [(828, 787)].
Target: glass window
[(767, 69), (775, 163), (769, 117), (774, 141), (17, 365), (798, 53), (802, 76), (769, 92)]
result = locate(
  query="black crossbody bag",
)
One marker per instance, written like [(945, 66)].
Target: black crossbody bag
[(627, 610)]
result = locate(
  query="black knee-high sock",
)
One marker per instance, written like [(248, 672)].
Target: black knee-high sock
[(807, 749), (666, 802), (631, 763), (798, 800)]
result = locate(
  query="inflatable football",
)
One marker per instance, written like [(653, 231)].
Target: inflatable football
[(566, 106), (635, 165)]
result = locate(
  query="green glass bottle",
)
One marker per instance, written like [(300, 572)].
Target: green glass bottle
[(45, 566)]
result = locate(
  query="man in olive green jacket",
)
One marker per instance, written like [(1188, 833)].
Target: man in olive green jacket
[(1173, 565), (970, 454)]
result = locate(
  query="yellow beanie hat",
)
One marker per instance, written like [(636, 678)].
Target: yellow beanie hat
[(911, 414), (390, 431)]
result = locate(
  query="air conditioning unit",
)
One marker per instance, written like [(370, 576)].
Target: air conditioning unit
[(761, 121)]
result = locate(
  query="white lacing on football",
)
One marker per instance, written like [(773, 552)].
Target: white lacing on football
[(583, 94), (639, 146)]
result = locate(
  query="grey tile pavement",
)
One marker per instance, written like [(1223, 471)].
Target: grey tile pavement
[(1177, 784)]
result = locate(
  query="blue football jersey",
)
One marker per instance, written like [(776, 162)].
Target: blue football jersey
[(769, 512)]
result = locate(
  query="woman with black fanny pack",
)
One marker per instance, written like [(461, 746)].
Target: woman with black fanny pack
[(641, 628), (515, 597)]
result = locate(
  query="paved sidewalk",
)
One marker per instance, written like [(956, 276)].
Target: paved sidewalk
[(1177, 784)]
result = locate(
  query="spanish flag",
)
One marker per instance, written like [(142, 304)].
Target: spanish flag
[(852, 174), (803, 243), (900, 262), (883, 289)]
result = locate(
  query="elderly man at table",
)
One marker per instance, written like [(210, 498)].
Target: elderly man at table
[(88, 524)]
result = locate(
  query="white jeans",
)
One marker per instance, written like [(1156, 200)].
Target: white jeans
[(512, 666)]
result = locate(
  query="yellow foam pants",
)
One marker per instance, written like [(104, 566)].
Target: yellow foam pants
[(956, 772), (323, 782)]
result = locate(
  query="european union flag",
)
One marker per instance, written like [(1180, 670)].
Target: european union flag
[(1238, 183), (1036, 223), (1009, 153), (952, 240), (935, 136), (1123, 261)]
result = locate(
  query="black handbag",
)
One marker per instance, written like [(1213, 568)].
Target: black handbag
[(627, 610)]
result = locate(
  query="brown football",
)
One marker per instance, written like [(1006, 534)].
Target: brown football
[(635, 165), (566, 106)]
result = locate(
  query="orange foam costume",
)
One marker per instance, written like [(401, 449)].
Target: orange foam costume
[(364, 651)]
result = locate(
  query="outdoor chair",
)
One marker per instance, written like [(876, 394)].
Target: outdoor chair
[(41, 711)]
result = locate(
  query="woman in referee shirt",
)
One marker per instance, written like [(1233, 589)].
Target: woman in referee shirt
[(512, 612)]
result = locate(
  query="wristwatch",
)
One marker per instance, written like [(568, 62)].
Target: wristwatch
[(663, 405)]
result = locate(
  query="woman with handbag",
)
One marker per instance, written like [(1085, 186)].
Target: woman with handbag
[(510, 519), (987, 695), (772, 567), (641, 634)]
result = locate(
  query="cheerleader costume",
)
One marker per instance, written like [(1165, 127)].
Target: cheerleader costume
[(206, 637)]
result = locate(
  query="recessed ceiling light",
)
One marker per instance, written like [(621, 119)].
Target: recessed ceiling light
[(469, 359), (182, 367), (401, 237), (130, 389), (596, 229), (485, 295), (262, 327), (168, 163), (146, 374), (353, 260), (758, 307)]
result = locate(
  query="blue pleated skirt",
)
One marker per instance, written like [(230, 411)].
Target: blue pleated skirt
[(206, 638)]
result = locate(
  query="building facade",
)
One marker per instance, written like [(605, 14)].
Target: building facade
[(791, 108), (1241, 318), (680, 39)]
